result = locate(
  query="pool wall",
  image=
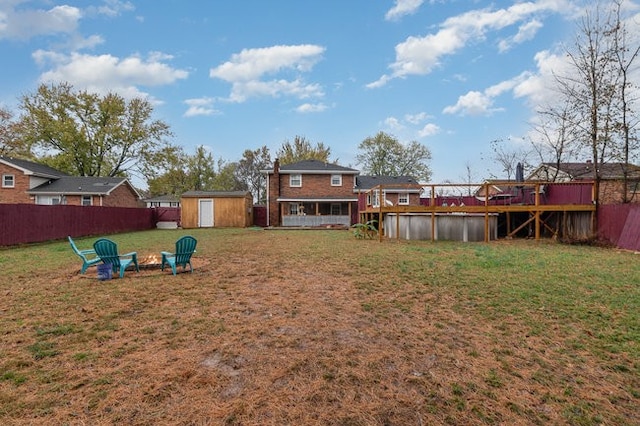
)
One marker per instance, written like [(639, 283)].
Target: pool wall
[(455, 227)]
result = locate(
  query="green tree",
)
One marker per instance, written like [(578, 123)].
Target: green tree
[(9, 144), (249, 171), (226, 178), (384, 155), (197, 172), (302, 149), (201, 170), (173, 182), (87, 134)]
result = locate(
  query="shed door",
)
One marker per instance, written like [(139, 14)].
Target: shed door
[(205, 213)]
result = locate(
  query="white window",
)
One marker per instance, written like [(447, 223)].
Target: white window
[(375, 201), (295, 180), (87, 200), (403, 199), (8, 181), (336, 180), (49, 200), (293, 208)]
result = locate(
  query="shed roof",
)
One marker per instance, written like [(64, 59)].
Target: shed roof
[(216, 194)]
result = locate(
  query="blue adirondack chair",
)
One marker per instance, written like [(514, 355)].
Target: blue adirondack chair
[(108, 252), (185, 247), (89, 257)]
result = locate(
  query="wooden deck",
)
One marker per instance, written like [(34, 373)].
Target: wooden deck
[(538, 203)]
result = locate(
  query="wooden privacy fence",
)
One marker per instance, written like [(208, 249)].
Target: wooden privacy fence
[(619, 224), (28, 223)]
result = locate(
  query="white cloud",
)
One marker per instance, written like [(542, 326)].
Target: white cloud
[(309, 108), (24, 24), (525, 32), (241, 91), (420, 55), (402, 8), (416, 118), (410, 126), (393, 124), (429, 129), (107, 73), (114, 8), (200, 106), (481, 103), (539, 87), (251, 64), (246, 70), (472, 103)]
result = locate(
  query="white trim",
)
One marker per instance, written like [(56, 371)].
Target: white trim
[(317, 200), (291, 185)]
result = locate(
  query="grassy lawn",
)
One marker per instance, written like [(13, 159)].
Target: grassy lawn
[(318, 327)]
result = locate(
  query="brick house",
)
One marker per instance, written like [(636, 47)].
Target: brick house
[(612, 188), (396, 190), (27, 182), (311, 193)]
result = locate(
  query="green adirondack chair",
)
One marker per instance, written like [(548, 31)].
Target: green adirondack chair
[(185, 247), (89, 257), (108, 252)]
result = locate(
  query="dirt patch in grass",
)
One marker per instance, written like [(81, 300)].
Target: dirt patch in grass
[(298, 328)]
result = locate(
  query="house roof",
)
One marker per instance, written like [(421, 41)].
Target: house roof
[(31, 168), (81, 185), (586, 170), (220, 194), (162, 198), (315, 167), (398, 182)]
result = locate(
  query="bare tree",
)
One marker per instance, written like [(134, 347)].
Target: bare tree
[(508, 156), (554, 138), (589, 87), (625, 57), (469, 177)]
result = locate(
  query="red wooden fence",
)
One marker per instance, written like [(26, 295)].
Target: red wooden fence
[(619, 224), (28, 223)]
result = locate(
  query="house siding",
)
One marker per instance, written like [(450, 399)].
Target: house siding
[(612, 192), (17, 194), (317, 186), (122, 196)]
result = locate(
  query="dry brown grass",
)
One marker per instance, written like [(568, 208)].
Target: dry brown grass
[(315, 327)]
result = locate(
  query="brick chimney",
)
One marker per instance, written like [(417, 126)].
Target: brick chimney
[(274, 194)]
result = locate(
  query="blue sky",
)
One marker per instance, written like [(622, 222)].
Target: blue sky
[(234, 75)]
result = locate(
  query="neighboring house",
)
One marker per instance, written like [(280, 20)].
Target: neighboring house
[(396, 190), (32, 183), (311, 193), (612, 178), (162, 201)]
